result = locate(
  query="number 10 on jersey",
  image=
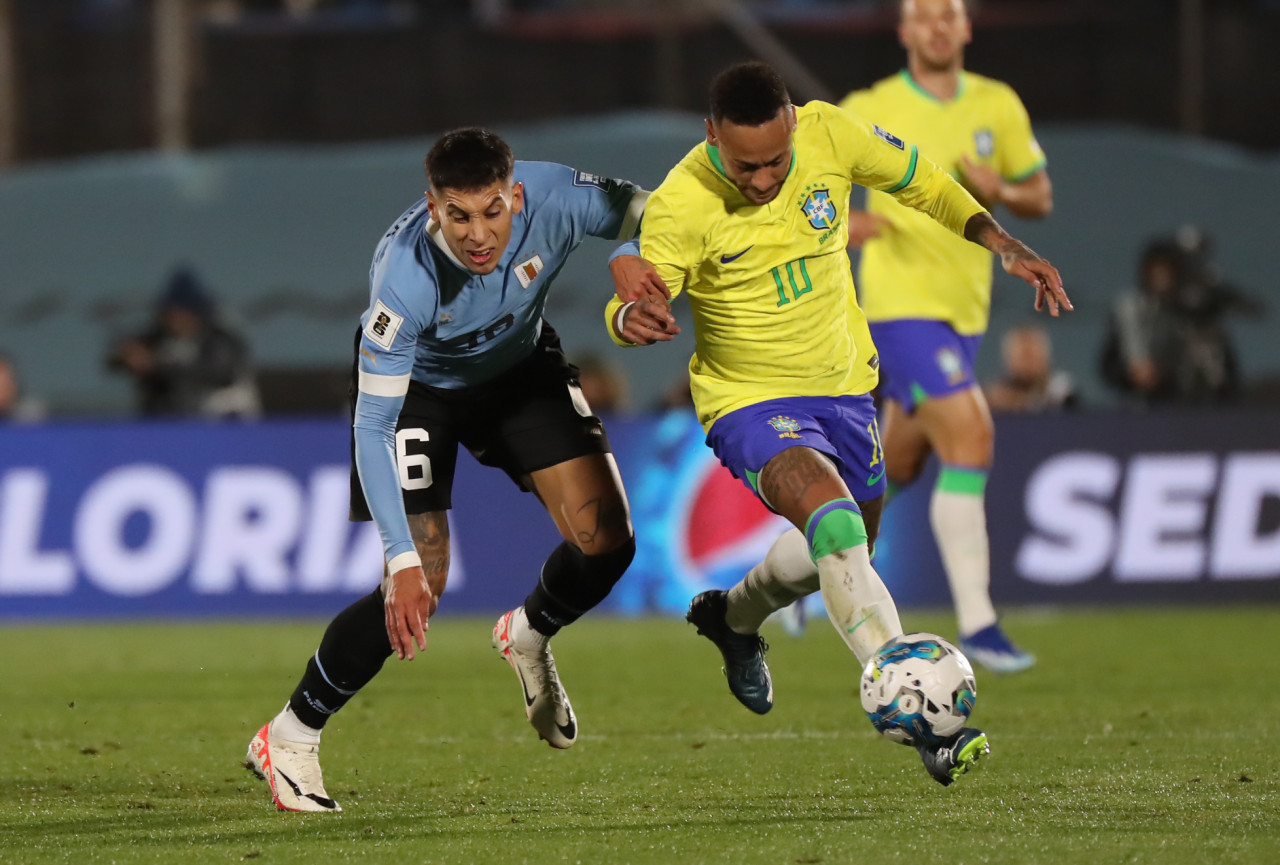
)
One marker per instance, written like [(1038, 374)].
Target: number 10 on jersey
[(790, 269)]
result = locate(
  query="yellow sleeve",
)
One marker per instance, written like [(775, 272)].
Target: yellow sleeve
[(880, 160), (1019, 155), (665, 243)]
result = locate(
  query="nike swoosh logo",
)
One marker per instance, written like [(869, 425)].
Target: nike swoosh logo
[(875, 479), (569, 730), (860, 624), (725, 259), (528, 698)]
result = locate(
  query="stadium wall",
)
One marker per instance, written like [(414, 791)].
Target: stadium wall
[(284, 235), (192, 520)]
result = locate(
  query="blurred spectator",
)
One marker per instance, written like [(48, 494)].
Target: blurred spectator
[(1168, 341), (1029, 382), (188, 363), (604, 384), (15, 406)]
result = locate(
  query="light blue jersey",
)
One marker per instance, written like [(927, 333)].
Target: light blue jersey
[(433, 321)]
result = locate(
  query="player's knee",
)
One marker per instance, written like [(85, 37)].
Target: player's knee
[(903, 472)]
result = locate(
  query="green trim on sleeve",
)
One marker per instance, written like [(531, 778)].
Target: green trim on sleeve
[(1029, 173), (911, 172)]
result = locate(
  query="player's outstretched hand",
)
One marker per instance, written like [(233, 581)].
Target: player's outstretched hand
[(864, 226), (1019, 260), (648, 321), (408, 604), (634, 278)]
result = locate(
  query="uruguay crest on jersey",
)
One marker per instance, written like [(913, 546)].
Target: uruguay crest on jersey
[(820, 209)]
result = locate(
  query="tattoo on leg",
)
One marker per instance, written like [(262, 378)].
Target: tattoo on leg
[(609, 513), (790, 474)]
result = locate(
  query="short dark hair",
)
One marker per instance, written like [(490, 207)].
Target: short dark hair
[(468, 159), (748, 94)]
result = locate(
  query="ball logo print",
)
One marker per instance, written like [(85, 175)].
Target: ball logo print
[(918, 689)]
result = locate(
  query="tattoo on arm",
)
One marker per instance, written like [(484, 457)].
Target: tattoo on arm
[(983, 230), (431, 536)]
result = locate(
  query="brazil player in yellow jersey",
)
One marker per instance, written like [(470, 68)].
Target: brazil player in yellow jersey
[(927, 293), (752, 225)]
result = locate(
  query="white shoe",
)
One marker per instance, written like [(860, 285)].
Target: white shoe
[(545, 702), (794, 617), (293, 771)]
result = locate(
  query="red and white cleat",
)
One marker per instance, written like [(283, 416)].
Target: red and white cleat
[(545, 703), (293, 771)]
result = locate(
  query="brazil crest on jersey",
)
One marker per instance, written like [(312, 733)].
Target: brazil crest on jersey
[(916, 269), (770, 289)]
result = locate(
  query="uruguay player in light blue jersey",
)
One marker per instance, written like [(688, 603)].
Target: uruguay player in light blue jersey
[(453, 350)]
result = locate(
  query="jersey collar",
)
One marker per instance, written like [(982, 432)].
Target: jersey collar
[(915, 85)]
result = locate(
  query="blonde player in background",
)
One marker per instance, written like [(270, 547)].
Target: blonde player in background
[(927, 293), (753, 226)]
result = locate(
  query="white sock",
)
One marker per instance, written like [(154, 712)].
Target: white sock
[(858, 604), (787, 573), (960, 526), (523, 634), (289, 727)]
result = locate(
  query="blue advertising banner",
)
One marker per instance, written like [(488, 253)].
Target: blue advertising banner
[(191, 519)]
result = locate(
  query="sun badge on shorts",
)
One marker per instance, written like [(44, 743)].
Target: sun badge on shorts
[(949, 363), (787, 427)]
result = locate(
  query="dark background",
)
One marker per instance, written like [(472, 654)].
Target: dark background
[(84, 70)]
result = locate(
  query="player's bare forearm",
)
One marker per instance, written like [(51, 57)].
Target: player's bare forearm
[(1021, 261), (1030, 199), (634, 279)]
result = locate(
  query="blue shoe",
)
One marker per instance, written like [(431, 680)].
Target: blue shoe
[(993, 650), (957, 755), (744, 664)]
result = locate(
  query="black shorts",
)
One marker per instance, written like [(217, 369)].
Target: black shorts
[(531, 417)]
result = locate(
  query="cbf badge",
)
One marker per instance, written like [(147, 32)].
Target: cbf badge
[(820, 209), (787, 427), (984, 140)]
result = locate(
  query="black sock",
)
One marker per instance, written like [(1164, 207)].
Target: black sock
[(353, 649), (573, 583)]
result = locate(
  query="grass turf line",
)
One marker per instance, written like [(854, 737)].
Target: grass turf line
[(1143, 736)]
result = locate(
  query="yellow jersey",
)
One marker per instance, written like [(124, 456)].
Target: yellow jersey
[(770, 288), (916, 269)]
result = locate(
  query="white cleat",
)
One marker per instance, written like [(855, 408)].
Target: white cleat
[(293, 771), (545, 702)]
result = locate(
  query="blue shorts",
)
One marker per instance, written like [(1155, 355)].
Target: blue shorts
[(922, 359), (843, 427)]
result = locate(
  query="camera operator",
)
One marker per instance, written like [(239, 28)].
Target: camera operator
[(1168, 341)]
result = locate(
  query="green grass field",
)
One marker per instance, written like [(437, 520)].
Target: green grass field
[(1142, 737)]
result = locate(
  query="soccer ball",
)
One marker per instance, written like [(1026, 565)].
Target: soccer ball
[(918, 689)]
